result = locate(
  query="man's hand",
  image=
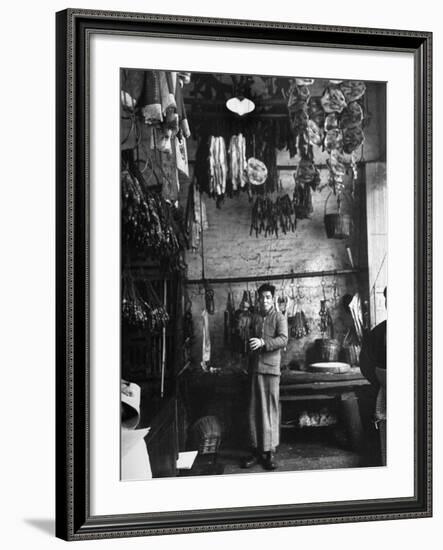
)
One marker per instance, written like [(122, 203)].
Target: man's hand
[(255, 343)]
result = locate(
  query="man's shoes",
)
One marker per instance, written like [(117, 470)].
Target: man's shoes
[(269, 462), (251, 460)]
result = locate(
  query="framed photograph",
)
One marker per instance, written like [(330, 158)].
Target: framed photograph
[(235, 202)]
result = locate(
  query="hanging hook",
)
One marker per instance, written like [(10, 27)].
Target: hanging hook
[(323, 286), (334, 290)]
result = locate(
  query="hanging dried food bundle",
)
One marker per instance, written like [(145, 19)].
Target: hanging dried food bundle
[(258, 220), (148, 219), (141, 306), (297, 321), (262, 217), (326, 326), (242, 325), (300, 327), (269, 216), (286, 213)]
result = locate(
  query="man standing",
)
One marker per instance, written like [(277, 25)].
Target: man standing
[(270, 334)]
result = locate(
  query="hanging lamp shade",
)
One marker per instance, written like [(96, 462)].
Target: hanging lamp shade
[(240, 105)]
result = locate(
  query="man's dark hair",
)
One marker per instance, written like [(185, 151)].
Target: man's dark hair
[(266, 287)]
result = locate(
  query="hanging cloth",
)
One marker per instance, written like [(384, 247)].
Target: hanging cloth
[(166, 92), (206, 340), (150, 100), (181, 159), (196, 218), (357, 315), (181, 110)]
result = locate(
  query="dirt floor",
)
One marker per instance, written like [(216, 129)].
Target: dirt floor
[(300, 449)]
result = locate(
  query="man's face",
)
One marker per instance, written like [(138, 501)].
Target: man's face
[(266, 300)]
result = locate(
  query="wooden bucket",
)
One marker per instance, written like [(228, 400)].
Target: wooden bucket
[(327, 349), (337, 225)]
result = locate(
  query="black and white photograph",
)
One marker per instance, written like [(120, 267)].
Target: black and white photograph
[(243, 275), (253, 266)]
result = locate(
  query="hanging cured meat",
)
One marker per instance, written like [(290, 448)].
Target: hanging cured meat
[(298, 108), (333, 100), (351, 116), (237, 162), (316, 112), (331, 122), (336, 165), (218, 167), (313, 134), (353, 89), (211, 167), (333, 140), (352, 138)]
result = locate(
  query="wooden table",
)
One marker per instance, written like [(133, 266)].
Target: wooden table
[(308, 386)]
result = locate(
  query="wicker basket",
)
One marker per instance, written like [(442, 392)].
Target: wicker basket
[(337, 225), (205, 435), (351, 354)]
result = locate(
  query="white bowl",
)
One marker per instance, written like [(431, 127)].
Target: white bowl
[(335, 367)]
